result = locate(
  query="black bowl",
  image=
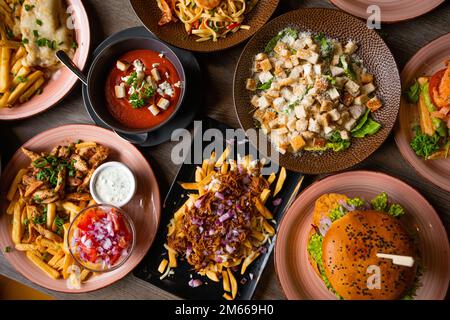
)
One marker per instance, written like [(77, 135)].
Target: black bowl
[(106, 60)]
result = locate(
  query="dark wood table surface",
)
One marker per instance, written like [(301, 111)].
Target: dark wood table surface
[(108, 17)]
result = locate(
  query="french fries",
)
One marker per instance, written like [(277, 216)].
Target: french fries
[(206, 177), (18, 83)]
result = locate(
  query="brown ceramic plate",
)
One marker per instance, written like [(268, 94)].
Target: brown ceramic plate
[(63, 80), (175, 34), (298, 278), (391, 10), (144, 209), (426, 61), (377, 58)]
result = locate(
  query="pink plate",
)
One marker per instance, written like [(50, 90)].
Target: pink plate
[(298, 278), (63, 80), (144, 208), (391, 10), (426, 61)]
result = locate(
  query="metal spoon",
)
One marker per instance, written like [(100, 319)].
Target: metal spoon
[(65, 60)]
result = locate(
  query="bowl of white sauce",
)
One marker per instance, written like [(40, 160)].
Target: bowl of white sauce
[(113, 183)]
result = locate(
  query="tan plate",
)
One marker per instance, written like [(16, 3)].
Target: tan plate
[(175, 34), (391, 10), (426, 61), (377, 58), (144, 208), (298, 278), (62, 81)]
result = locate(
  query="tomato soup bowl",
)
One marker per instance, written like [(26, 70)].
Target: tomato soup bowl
[(98, 83)]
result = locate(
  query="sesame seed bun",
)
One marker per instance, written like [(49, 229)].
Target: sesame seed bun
[(350, 247)]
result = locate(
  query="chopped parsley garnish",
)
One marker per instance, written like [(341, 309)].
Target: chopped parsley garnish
[(39, 22), (22, 79), (74, 45), (25, 41), (36, 33), (28, 7), (424, 145), (9, 34), (7, 249), (59, 222)]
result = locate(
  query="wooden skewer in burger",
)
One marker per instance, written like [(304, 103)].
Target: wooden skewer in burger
[(346, 240)]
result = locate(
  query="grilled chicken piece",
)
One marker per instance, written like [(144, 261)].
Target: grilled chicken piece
[(74, 181), (85, 184), (32, 187), (61, 182), (100, 155), (79, 163), (30, 154), (55, 150), (78, 196), (64, 152), (41, 196)]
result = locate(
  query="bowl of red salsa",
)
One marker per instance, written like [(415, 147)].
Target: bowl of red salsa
[(136, 85), (101, 238)]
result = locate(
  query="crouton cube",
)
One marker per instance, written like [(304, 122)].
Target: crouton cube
[(366, 78), (352, 87), (154, 110), (333, 93), (120, 91), (362, 99), (326, 105), (263, 102), (368, 88), (251, 84), (260, 56), (313, 58), (265, 65), (350, 124), (278, 103), (334, 115), (336, 71), (357, 111), (300, 112), (155, 74), (318, 69), (301, 125), (122, 65), (254, 101), (350, 47), (347, 98), (335, 60), (294, 60), (265, 76), (163, 103), (307, 68), (152, 82), (297, 143), (313, 125), (374, 104)]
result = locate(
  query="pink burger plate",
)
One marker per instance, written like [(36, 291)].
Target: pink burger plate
[(298, 278), (144, 208), (62, 81)]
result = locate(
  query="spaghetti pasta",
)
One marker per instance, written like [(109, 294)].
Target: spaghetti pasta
[(207, 19)]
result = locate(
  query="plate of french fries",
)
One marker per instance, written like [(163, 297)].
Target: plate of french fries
[(219, 224), (31, 80), (44, 187)]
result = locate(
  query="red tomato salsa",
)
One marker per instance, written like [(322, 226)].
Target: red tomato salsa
[(101, 238), (143, 89)]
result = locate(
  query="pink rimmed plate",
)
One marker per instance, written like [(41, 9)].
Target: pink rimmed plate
[(298, 278), (62, 81), (144, 208)]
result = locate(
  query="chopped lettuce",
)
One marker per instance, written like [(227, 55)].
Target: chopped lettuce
[(369, 128), (315, 251), (380, 202), (396, 210), (336, 143), (413, 92), (362, 121), (326, 46), (337, 213), (356, 202)]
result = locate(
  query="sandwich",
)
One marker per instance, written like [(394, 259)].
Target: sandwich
[(346, 236)]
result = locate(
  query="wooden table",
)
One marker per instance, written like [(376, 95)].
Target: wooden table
[(108, 17)]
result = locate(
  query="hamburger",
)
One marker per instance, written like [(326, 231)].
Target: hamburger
[(345, 238)]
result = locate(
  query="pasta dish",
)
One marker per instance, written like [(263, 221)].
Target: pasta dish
[(207, 19)]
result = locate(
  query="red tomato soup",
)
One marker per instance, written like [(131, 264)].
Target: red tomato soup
[(143, 89)]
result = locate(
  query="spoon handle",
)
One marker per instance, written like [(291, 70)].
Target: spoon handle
[(65, 59)]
